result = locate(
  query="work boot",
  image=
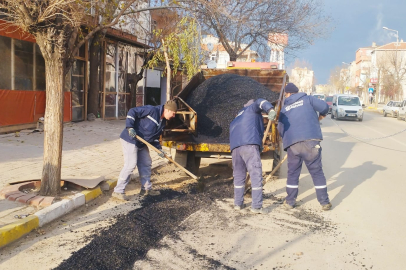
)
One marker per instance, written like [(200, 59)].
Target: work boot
[(326, 207), (120, 196), (238, 207), (149, 192), (287, 206), (258, 210)]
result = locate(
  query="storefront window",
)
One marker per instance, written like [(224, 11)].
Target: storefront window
[(39, 70), (110, 84), (23, 65), (5, 63)]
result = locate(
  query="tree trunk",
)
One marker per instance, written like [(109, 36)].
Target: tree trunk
[(233, 57), (168, 72), (94, 85), (53, 126)]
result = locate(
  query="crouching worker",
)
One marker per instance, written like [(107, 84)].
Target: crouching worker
[(246, 133), (147, 122)]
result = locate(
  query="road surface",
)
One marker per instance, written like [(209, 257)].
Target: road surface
[(364, 163)]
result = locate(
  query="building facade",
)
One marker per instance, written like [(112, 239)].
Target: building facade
[(303, 78), (215, 52), (388, 71)]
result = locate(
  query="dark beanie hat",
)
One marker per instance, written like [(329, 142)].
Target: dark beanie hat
[(291, 88), (171, 105)]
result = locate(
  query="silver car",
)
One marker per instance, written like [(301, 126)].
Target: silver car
[(402, 111), (391, 108)]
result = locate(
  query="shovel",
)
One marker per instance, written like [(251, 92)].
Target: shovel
[(167, 157), (270, 175)]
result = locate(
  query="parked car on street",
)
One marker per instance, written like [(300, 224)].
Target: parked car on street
[(347, 107), (319, 96), (402, 110), (391, 108), (329, 101)]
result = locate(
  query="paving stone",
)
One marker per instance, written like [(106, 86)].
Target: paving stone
[(47, 201), (36, 200), (16, 195), (8, 193), (25, 198)]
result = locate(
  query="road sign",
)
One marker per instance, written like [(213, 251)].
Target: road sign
[(370, 89)]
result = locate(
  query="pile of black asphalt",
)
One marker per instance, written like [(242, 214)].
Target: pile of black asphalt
[(218, 100), (133, 234)]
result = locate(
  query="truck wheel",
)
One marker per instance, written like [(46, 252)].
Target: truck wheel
[(193, 163)]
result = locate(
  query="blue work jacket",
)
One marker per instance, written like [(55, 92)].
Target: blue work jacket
[(147, 123), (248, 126), (298, 119)]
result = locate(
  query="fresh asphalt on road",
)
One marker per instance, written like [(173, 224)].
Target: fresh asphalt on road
[(364, 166)]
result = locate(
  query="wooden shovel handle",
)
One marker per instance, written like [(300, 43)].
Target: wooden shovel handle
[(171, 160), (268, 126)]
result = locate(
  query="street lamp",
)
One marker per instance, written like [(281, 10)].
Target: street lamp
[(397, 34)]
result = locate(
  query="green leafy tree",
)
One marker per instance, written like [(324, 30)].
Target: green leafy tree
[(179, 50)]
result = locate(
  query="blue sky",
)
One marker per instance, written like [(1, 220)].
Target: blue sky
[(357, 23)]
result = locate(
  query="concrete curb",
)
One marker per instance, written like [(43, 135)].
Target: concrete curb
[(18, 229), (14, 231)]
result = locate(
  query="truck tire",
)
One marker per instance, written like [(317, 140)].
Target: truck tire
[(193, 163)]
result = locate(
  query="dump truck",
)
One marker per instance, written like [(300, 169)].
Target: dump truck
[(181, 134)]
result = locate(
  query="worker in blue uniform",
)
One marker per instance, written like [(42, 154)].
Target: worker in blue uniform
[(301, 135), (147, 122), (246, 133)]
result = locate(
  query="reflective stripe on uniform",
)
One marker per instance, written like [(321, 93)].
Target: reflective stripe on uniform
[(319, 187), (256, 188), (153, 120), (130, 117), (291, 186), (239, 186), (262, 102)]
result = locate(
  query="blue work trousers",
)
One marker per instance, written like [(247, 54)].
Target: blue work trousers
[(310, 153), (247, 158), (134, 157)]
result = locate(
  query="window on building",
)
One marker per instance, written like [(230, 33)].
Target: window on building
[(25, 70), (5, 63), (39, 70), (23, 65)]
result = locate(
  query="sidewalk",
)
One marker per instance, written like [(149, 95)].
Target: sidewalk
[(89, 149)]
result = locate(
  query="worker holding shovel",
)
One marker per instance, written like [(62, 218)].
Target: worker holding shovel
[(301, 135), (146, 122), (246, 133)]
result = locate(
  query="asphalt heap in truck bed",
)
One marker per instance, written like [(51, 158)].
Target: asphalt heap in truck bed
[(217, 101)]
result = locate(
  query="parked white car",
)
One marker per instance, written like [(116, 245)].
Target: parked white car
[(391, 108), (402, 111), (319, 96), (347, 107)]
